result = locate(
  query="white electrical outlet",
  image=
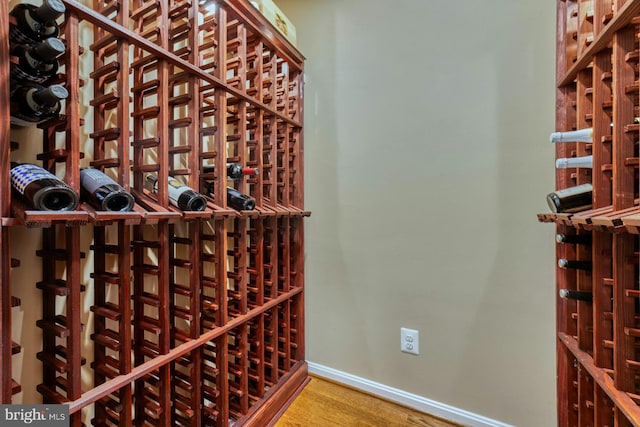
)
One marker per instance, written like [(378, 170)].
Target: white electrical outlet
[(409, 341)]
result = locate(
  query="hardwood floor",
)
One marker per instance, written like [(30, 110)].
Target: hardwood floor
[(325, 403)]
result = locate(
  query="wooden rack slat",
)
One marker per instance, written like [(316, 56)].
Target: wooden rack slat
[(622, 400), (621, 19), (97, 19), (207, 337)]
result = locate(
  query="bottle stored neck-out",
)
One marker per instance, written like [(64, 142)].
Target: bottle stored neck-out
[(580, 135), (41, 189), (235, 171), (35, 23), (36, 63), (576, 295), (572, 199), (579, 239), (574, 264), (103, 193), (32, 103), (575, 162)]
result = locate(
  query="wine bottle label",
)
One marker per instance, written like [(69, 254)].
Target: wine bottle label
[(176, 188), (92, 179), (23, 175)]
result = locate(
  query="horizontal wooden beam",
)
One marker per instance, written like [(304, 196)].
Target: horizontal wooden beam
[(118, 30), (622, 401), (139, 371), (622, 18)]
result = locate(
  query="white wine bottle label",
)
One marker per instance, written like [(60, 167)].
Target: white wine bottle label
[(23, 175), (92, 179), (176, 188)]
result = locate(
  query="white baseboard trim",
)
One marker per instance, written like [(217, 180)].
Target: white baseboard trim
[(404, 398)]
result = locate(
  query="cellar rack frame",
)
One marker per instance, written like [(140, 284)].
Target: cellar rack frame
[(597, 71), (247, 365)]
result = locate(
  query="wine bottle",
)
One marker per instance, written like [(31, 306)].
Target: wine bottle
[(572, 199), (580, 135), (577, 295), (32, 103), (574, 264), (36, 63), (239, 201), (235, 171), (35, 23), (104, 193), (579, 239), (575, 162), (180, 195), (41, 189)]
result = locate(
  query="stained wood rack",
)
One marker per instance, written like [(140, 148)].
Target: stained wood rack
[(198, 317), (598, 341)]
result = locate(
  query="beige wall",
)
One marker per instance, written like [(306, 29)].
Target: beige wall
[(427, 158)]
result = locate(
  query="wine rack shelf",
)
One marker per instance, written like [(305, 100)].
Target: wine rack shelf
[(197, 317), (598, 357)]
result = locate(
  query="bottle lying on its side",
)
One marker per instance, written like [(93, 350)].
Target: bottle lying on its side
[(36, 63), (576, 295), (574, 264), (575, 162), (41, 189), (572, 199), (35, 23), (32, 104), (235, 171), (578, 239), (180, 195), (239, 201), (103, 193)]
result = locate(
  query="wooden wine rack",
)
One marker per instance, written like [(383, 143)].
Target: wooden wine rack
[(198, 317), (598, 357)]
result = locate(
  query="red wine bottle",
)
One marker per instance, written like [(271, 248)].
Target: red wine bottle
[(103, 193), (35, 23), (32, 103), (235, 171), (36, 63), (576, 295), (574, 264), (572, 199), (41, 189), (578, 239), (239, 201), (180, 195)]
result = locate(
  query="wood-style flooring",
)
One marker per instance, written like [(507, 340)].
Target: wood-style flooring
[(325, 403)]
